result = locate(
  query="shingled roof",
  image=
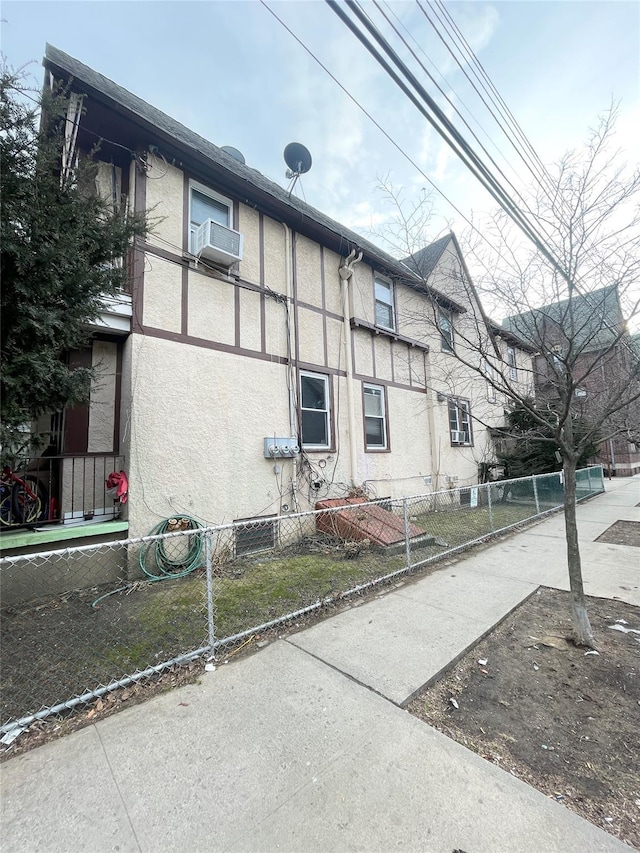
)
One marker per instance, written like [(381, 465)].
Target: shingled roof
[(245, 182), (424, 261), (597, 321), (252, 183)]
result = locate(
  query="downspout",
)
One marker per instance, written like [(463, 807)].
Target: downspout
[(346, 271), (435, 463), (293, 421)]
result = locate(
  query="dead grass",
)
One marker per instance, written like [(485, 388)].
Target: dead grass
[(58, 648)]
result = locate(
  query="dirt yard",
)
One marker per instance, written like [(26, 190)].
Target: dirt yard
[(622, 533), (561, 718)]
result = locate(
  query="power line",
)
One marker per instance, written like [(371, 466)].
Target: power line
[(419, 47), (389, 138), (506, 112), (448, 99), (552, 191), (535, 238), (441, 123)]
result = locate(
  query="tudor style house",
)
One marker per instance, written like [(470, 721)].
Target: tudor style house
[(266, 356)]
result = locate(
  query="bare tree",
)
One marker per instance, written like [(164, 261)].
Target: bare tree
[(569, 299)]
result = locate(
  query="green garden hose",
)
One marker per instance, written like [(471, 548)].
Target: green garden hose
[(168, 567), (155, 553)]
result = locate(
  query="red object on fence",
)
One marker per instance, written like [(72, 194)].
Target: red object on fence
[(118, 480)]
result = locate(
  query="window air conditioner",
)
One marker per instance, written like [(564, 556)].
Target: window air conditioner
[(217, 243), (458, 436)]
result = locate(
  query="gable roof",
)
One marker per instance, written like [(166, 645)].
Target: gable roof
[(423, 262), (597, 319)]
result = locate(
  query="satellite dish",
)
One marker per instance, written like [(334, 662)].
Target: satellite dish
[(233, 152), (297, 158)]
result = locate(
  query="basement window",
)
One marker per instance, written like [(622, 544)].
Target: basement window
[(255, 534)]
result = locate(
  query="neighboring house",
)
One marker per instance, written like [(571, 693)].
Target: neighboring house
[(588, 337), (461, 327), (257, 327)]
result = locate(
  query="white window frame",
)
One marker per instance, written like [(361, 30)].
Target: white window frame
[(214, 196), (327, 410), (390, 304), (368, 386), (512, 363), (460, 406), (556, 357), (490, 374), (447, 339)]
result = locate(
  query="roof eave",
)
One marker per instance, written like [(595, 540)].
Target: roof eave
[(333, 235)]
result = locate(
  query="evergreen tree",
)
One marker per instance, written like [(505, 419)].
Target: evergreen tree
[(531, 447), (62, 251)]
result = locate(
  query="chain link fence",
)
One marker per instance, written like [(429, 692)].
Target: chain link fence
[(79, 623)]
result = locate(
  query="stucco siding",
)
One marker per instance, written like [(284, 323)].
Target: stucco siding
[(197, 434), (276, 329), (311, 336), (361, 291), (249, 227), (165, 189), (363, 353), (162, 307), (382, 346), (274, 255), (211, 309), (414, 314), (417, 366), (103, 395), (250, 337), (401, 471), (401, 366), (333, 295), (210, 461), (308, 271), (335, 343)]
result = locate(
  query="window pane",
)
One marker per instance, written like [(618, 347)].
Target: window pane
[(446, 330), (465, 419), (203, 207), (383, 292), (453, 416), (373, 402), (314, 428), (375, 432), (313, 392), (384, 315)]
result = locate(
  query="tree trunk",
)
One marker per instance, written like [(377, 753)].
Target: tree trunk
[(579, 617)]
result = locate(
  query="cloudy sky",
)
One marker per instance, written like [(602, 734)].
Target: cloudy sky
[(231, 72)]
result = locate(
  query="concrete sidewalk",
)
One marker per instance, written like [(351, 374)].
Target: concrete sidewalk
[(404, 639), (287, 750)]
